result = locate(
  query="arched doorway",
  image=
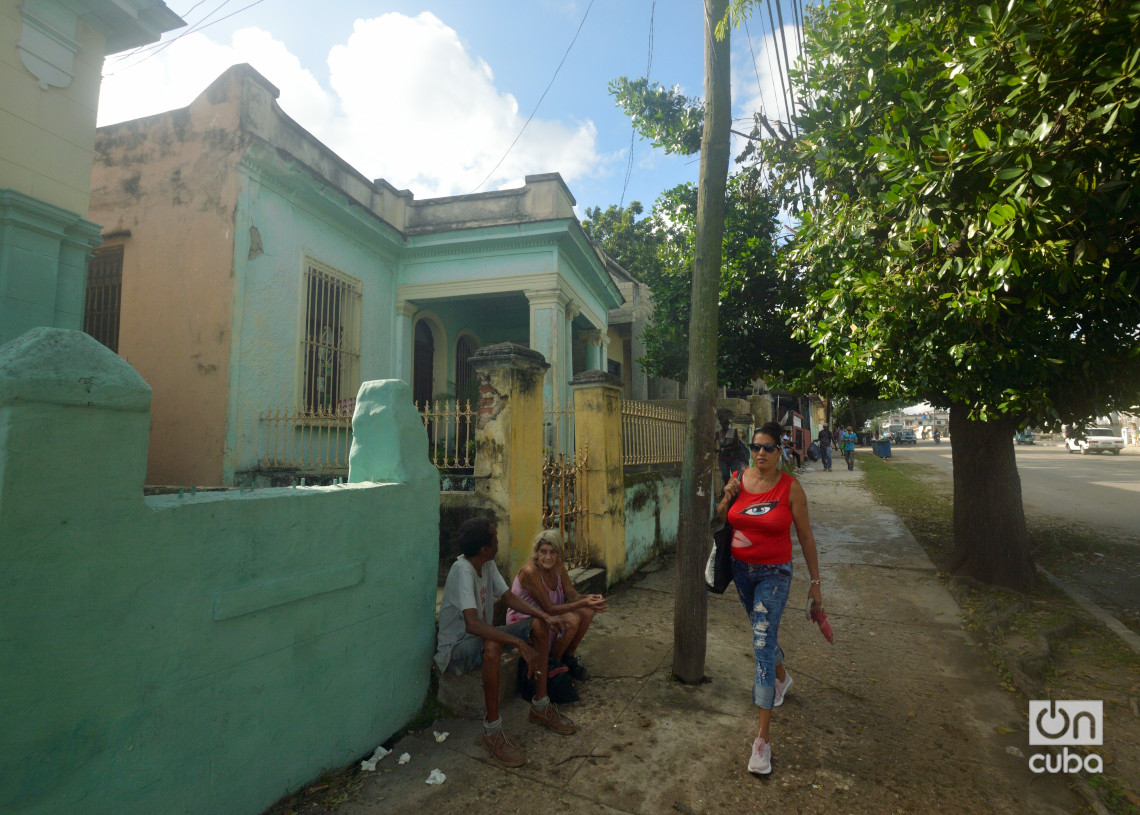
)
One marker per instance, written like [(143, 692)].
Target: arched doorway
[(423, 364)]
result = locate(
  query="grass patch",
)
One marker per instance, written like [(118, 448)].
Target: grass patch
[(916, 497)]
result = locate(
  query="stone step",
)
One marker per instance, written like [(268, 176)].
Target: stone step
[(464, 694)]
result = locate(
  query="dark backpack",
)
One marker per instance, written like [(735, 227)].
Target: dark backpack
[(559, 687)]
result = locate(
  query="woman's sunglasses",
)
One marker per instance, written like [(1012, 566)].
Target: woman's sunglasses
[(767, 448)]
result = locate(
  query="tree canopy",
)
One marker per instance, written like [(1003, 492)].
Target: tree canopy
[(968, 233)]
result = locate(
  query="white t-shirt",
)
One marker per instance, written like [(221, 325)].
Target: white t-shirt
[(465, 588)]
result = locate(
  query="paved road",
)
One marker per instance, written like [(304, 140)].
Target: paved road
[(1101, 491)]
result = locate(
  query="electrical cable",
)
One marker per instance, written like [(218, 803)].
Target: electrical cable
[(199, 27), (779, 69), (536, 106), (153, 46), (633, 128), (787, 59)]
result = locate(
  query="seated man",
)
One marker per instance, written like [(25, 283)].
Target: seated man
[(467, 637)]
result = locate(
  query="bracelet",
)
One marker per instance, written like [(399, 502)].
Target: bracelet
[(817, 582)]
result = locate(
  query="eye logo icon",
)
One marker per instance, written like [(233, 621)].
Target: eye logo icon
[(1053, 722)]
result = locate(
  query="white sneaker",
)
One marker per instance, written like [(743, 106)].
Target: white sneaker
[(761, 761), (782, 689)]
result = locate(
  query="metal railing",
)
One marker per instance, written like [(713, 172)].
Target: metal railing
[(307, 439), (451, 433), (564, 504), (558, 428), (651, 434)]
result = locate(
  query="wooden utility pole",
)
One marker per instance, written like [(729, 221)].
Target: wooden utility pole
[(690, 610)]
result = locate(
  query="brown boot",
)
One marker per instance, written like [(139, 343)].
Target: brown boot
[(551, 719), (500, 747)]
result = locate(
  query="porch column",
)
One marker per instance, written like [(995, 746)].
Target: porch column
[(597, 427), (508, 446), (548, 331), (402, 348), (597, 341)]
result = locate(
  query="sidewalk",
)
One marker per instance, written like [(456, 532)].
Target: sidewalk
[(899, 715)]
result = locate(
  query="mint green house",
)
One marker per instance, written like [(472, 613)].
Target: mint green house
[(263, 279)]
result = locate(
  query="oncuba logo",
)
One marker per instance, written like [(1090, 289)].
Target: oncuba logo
[(1064, 724)]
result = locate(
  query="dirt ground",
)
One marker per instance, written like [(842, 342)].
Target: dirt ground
[(904, 713)]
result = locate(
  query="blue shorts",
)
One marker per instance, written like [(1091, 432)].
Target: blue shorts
[(467, 655)]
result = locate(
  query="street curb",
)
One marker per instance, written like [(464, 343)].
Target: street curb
[(1126, 635)]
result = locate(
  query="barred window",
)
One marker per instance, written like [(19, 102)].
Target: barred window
[(330, 342), (464, 373), (104, 293)]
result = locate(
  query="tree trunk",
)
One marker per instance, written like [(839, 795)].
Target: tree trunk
[(693, 541), (991, 543)]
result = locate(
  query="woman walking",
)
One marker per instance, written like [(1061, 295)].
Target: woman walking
[(762, 505)]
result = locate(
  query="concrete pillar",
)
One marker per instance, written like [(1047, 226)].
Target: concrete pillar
[(549, 336), (597, 341), (402, 347), (597, 428), (508, 446)]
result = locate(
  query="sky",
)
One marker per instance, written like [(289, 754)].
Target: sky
[(432, 95)]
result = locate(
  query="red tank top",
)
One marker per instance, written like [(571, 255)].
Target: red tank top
[(764, 521)]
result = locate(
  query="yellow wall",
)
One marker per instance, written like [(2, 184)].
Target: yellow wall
[(47, 136), (171, 181)]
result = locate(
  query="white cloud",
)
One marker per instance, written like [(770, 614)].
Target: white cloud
[(406, 102)]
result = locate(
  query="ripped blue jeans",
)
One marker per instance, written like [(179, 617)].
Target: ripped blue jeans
[(764, 592)]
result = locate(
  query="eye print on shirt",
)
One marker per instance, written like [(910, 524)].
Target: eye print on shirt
[(762, 508)]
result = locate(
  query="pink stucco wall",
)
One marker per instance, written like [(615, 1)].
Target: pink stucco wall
[(170, 181)]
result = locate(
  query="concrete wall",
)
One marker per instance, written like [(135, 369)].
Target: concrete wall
[(195, 654), (652, 513), (166, 188), (47, 134)]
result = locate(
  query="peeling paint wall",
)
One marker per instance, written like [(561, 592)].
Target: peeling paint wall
[(166, 189), (652, 514)]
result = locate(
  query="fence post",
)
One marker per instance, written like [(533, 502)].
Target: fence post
[(597, 425), (508, 446)]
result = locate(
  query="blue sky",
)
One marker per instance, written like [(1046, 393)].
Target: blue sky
[(429, 95)]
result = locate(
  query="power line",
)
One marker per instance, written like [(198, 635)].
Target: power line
[(633, 127), (197, 27), (536, 106), (142, 49), (779, 67), (787, 58)]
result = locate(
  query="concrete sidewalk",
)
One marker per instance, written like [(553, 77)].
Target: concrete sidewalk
[(899, 715)]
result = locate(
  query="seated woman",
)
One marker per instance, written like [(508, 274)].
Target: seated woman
[(545, 584)]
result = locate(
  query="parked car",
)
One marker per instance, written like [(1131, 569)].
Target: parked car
[(1025, 437), (907, 437), (1096, 440)]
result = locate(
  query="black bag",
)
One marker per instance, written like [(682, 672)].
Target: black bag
[(718, 568), (559, 687)]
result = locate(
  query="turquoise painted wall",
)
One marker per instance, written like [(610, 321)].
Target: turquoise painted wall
[(293, 220), (200, 654), (652, 515), (43, 264)]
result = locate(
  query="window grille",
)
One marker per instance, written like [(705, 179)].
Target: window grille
[(104, 294), (464, 373), (330, 341)]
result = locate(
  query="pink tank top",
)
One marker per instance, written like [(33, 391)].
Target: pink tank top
[(557, 598)]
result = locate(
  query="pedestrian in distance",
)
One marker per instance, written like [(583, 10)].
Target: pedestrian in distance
[(545, 584), (468, 639), (825, 441), (732, 455), (762, 505), (847, 439)]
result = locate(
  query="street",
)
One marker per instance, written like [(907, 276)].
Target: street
[(1101, 491)]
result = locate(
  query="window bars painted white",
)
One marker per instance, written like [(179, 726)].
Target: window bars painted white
[(451, 433), (651, 434), (104, 293), (330, 338)]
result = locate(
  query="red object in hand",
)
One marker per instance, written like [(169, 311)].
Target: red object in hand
[(820, 619)]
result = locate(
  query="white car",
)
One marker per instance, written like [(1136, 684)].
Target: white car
[(1096, 440)]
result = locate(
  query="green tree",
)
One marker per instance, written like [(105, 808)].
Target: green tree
[(968, 234), (631, 242)]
